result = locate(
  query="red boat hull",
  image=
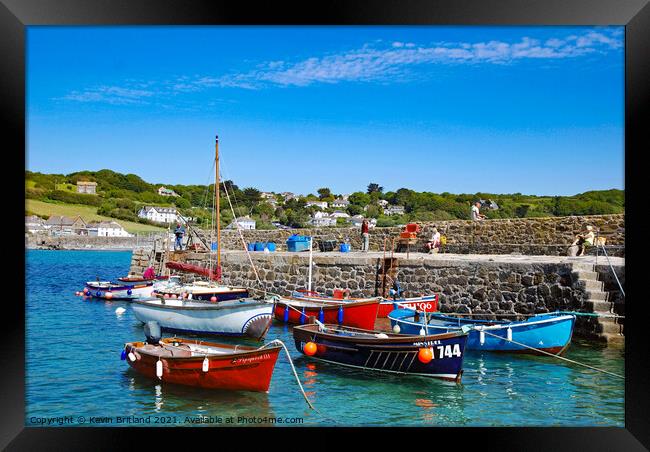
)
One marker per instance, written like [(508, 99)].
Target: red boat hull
[(386, 306), (251, 372), (356, 314)]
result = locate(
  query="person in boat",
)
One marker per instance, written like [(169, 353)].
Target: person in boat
[(582, 242), (475, 213), (365, 235), (433, 245), (179, 232)]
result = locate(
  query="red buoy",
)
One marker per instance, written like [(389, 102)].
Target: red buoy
[(213, 299), (310, 349), (425, 355)]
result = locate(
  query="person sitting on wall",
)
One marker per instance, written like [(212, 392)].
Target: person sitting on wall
[(582, 242), (475, 213), (433, 245)]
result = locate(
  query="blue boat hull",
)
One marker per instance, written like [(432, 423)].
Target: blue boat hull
[(385, 355), (548, 332)]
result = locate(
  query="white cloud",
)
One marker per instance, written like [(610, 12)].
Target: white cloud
[(375, 62)]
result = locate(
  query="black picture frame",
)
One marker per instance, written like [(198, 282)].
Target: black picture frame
[(15, 15)]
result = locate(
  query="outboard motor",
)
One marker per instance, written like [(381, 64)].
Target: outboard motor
[(152, 332)]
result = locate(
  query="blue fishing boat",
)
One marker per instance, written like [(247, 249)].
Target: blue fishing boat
[(548, 332), (435, 355)]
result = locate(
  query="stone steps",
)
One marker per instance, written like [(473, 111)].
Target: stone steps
[(596, 295), (599, 305), (609, 326), (613, 338), (586, 275), (592, 286)]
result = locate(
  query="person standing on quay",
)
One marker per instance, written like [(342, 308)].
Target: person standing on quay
[(179, 232), (365, 235)]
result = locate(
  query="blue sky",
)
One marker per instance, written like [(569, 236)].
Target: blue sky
[(535, 110)]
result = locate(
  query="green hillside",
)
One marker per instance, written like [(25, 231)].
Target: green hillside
[(120, 196)]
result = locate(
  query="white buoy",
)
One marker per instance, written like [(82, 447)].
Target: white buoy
[(422, 333), (131, 356), (481, 336), (396, 329), (509, 334), (159, 369), (189, 296), (120, 311), (206, 364)]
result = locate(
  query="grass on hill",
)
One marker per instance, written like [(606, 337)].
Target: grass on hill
[(88, 213)]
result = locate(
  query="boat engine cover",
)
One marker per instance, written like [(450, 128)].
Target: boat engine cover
[(152, 332)]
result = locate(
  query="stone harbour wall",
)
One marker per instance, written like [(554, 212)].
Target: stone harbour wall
[(489, 286), (530, 236)]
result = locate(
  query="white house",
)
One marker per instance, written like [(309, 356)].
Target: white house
[(339, 214), (340, 203), (159, 214), (162, 191), (383, 203), (267, 195), (321, 204), (356, 221), (89, 188), (244, 223), (107, 229), (34, 224), (394, 210), (287, 195), (322, 220)]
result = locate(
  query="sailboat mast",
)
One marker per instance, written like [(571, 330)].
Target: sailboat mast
[(216, 203)]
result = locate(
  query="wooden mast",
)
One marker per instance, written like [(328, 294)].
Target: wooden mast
[(216, 195)]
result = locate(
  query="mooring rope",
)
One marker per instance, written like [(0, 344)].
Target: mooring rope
[(295, 374), (615, 275), (551, 354)]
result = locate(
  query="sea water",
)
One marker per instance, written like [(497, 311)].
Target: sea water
[(74, 374)]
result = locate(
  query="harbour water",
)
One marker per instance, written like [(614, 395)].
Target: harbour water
[(74, 373)]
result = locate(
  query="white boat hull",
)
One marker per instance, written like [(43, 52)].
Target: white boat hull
[(228, 318)]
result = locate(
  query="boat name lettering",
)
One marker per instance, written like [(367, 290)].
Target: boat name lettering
[(426, 343), (250, 359)]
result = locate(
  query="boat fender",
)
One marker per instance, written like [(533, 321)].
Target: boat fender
[(131, 356), (321, 316), (98, 294), (189, 296), (422, 332), (206, 365), (396, 329), (129, 292), (85, 290), (481, 336), (425, 355), (302, 316), (339, 316), (286, 313), (109, 295), (509, 334), (213, 299), (159, 369), (123, 355)]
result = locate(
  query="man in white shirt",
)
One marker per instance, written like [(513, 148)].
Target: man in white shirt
[(475, 213), (433, 245)]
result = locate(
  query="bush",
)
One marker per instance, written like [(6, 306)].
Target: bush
[(73, 198)]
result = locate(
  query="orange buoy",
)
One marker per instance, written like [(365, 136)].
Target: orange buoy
[(109, 295), (425, 355), (166, 295), (85, 289), (213, 299), (310, 349)]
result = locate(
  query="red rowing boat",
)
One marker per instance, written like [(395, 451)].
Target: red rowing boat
[(204, 364), (360, 313)]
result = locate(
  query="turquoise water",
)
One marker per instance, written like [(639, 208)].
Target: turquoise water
[(73, 370)]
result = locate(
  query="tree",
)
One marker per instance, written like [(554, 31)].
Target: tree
[(324, 193), (251, 196), (374, 188)]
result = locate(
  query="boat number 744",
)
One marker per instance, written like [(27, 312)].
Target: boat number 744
[(448, 351)]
